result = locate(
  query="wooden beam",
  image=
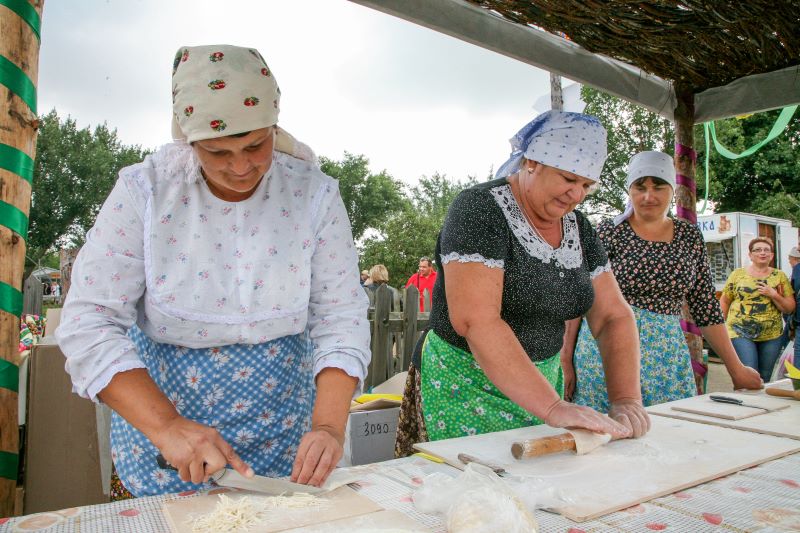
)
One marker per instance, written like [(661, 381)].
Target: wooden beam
[(19, 52)]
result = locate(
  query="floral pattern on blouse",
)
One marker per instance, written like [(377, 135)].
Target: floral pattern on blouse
[(196, 271), (659, 276)]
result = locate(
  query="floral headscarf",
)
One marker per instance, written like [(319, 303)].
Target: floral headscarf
[(221, 90)]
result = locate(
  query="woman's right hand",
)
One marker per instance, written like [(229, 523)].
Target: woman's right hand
[(197, 451), (567, 415)]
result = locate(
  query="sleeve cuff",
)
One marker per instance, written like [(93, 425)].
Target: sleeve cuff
[(101, 382), (352, 365)]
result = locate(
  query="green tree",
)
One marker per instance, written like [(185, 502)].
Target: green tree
[(369, 198), (766, 182), (411, 233), (630, 129), (75, 169)]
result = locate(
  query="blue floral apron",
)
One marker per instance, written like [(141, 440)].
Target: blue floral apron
[(259, 397)]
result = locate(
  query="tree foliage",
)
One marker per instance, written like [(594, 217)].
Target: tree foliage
[(370, 199), (412, 232), (766, 182), (631, 129), (74, 171)]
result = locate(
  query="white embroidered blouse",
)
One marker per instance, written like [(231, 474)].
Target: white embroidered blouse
[(193, 270)]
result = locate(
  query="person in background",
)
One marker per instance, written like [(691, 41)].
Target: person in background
[(791, 320), (794, 319), (379, 275), (752, 301), (215, 306), (518, 261), (364, 277), (423, 280), (659, 262)]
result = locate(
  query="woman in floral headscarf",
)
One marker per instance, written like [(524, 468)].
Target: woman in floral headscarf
[(518, 261), (215, 306)]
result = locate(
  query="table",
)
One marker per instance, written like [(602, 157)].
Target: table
[(765, 498)]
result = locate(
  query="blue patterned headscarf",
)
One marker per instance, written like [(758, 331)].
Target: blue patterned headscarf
[(568, 141)]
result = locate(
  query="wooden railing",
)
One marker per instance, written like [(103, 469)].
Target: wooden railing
[(394, 333)]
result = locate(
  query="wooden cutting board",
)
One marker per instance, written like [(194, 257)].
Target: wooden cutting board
[(674, 455), (704, 405), (782, 423), (344, 503)]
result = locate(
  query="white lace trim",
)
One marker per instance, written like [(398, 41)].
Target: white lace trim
[(567, 256), (599, 270), (473, 258)]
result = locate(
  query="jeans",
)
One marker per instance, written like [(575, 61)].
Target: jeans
[(760, 355)]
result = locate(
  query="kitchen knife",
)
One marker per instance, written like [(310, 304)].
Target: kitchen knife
[(226, 477), (466, 459), (735, 401)]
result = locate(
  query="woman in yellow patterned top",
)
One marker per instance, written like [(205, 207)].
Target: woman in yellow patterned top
[(752, 301)]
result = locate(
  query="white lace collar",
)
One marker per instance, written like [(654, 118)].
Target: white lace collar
[(568, 255)]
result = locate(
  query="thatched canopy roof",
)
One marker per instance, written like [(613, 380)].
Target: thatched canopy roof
[(699, 43), (735, 57)]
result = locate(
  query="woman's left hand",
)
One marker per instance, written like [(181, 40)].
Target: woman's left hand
[(631, 414), (747, 378), (317, 456), (768, 291)]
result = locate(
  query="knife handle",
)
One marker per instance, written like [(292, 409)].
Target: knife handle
[(543, 446), (164, 464), (466, 459), (725, 399)]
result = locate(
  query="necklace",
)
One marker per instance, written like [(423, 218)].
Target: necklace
[(539, 233), (521, 204)]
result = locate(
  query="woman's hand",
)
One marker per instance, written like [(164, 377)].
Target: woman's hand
[(197, 451), (319, 452), (745, 377), (631, 414), (567, 415)]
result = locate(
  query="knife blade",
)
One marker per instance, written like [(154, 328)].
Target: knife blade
[(226, 477), (735, 401)]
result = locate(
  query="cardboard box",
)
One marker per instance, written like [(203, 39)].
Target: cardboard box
[(370, 436), (62, 466)]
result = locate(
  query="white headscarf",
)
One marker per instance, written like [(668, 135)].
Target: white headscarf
[(568, 141), (647, 164), (221, 90)]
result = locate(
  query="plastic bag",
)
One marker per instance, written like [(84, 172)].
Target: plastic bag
[(478, 501)]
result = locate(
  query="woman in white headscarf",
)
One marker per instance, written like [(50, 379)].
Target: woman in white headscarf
[(216, 306), (658, 262), (517, 262)]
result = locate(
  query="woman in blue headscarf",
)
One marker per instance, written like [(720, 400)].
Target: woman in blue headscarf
[(517, 262)]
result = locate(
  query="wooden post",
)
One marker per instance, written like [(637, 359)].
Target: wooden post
[(686, 206), (380, 364), (32, 294), (410, 313), (66, 258), (19, 54), (556, 95)]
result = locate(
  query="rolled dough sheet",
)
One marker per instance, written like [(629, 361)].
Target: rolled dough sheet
[(586, 441)]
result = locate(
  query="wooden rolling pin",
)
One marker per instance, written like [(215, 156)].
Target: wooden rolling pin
[(543, 446), (794, 394)]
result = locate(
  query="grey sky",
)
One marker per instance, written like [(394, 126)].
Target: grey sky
[(413, 101)]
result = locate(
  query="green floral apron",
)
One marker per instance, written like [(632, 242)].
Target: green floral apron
[(459, 400)]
